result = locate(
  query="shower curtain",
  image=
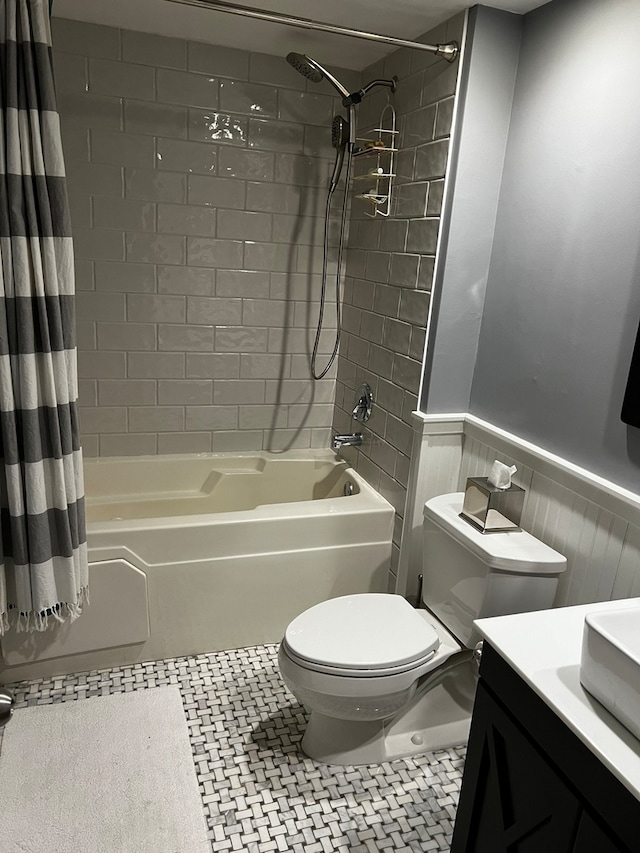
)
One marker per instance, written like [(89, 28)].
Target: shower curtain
[(43, 552)]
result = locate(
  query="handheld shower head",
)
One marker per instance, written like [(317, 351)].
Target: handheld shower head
[(339, 132), (313, 71), (340, 136)]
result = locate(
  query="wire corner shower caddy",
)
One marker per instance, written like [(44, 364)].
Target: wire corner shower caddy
[(379, 174)]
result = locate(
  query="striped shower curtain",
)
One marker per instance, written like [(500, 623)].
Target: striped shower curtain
[(43, 552)]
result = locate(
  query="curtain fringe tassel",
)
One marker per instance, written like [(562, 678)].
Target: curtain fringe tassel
[(42, 620)]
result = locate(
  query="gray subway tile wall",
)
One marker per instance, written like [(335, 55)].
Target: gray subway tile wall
[(198, 280), (390, 263), (197, 177)]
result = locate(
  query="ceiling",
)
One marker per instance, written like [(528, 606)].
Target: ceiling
[(406, 19)]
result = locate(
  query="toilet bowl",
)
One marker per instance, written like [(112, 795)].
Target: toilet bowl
[(362, 716), (383, 679)]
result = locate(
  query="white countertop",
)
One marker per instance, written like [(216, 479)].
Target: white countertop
[(544, 648)]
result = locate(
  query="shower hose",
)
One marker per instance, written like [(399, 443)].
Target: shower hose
[(325, 270)]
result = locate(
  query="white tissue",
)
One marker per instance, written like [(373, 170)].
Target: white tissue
[(500, 475)]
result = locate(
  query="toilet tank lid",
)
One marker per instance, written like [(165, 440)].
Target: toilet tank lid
[(510, 551)]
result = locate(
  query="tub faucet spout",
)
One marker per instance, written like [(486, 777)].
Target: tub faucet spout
[(352, 439)]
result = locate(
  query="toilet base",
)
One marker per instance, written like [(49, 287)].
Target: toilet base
[(437, 720)]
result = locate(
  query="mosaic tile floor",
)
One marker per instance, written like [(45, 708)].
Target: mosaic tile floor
[(259, 792)]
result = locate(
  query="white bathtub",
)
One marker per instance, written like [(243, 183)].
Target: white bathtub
[(190, 554)]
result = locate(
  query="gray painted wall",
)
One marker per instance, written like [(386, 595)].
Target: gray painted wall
[(563, 298), (460, 281)]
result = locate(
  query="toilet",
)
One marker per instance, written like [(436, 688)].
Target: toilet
[(385, 680)]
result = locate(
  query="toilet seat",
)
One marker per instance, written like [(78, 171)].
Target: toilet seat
[(328, 669), (363, 635)]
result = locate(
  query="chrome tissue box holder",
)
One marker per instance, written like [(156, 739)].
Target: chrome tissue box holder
[(492, 510)]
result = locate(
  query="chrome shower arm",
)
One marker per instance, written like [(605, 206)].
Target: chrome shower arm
[(356, 97), (391, 84), (337, 85)]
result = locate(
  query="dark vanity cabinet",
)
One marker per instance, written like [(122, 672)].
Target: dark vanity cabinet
[(530, 785)]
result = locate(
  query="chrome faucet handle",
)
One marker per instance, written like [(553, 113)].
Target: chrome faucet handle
[(364, 404)]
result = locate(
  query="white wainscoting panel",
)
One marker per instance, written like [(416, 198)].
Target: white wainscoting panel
[(602, 547), (594, 523), (435, 468), (627, 582)]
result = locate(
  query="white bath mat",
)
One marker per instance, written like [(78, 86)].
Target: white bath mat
[(103, 775)]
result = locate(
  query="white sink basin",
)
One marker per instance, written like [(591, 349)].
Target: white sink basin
[(610, 663)]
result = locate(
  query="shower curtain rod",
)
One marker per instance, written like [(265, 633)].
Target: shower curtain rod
[(448, 51)]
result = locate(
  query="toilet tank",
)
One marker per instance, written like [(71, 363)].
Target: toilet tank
[(468, 575)]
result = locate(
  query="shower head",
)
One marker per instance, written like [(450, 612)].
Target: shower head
[(340, 137), (305, 66), (313, 71), (339, 132)]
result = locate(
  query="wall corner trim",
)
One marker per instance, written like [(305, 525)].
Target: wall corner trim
[(438, 424)]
